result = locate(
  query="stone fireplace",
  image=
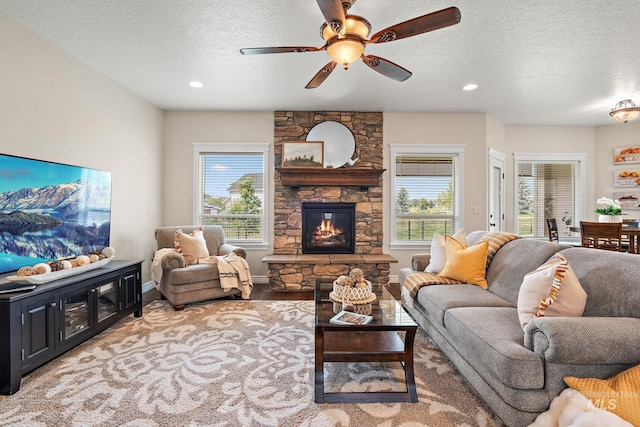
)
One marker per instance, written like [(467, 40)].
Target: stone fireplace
[(292, 266)]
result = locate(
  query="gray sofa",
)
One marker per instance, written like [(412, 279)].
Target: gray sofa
[(182, 283), (518, 373)]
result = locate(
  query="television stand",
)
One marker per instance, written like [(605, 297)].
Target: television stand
[(39, 325)]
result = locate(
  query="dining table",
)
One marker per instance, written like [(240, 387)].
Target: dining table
[(631, 232)]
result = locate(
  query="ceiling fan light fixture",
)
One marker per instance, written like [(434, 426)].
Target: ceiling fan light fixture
[(354, 25), (346, 36), (625, 110), (345, 51), (348, 47)]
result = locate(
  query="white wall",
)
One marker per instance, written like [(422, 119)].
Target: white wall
[(181, 129), (496, 135), (609, 137), (440, 128), (56, 108)]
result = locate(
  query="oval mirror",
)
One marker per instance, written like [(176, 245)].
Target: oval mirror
[(339, 143)]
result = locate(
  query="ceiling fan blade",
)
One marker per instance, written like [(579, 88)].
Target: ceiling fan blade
[(261, 50), (333, 13), (321, 76), (386, 67), (422, 24)]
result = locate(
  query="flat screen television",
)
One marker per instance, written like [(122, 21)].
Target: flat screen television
[(51, 211)]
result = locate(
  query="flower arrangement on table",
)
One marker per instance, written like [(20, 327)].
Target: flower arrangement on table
[(611, 212), (611, 207)]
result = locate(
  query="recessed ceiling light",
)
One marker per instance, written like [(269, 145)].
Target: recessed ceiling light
[(470, 86), (195, 84)]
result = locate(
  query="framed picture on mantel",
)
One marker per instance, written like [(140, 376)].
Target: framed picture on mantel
[(303, 154)]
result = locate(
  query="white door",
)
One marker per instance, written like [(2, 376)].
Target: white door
[(496, 190)]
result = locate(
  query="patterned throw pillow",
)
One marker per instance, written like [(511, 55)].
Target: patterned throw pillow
[(466, 264), (619, 394), (191, 246), (551, 290)]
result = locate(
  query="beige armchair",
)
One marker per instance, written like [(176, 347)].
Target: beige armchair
[(182, 283)]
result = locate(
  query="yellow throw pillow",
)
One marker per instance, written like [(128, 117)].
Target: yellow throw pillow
[(619, 394), (466, 264), (551, 290), (438, 251), (191, 246)]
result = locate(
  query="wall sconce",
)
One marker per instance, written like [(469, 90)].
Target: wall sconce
[(625, 110)]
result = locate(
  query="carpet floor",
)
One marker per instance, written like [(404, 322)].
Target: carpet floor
[(229, 363)]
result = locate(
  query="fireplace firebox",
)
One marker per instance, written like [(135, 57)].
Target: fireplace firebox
[(328, 228)]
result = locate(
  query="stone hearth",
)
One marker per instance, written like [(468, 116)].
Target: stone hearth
[(288, 268)]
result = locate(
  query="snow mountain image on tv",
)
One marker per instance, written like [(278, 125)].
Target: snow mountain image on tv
[(41, 223)]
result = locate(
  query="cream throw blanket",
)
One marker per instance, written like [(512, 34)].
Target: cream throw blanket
[(233, 269), (572, 409), (234, 272), (156, 265)]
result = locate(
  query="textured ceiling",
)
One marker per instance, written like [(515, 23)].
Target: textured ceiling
[(544, 62)]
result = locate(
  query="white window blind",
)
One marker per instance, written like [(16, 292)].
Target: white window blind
[(427, 195), (230, 191), (548, 189)]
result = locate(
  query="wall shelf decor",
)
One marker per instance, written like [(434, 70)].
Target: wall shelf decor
[(628, 200), (626, 178), (626, 155)]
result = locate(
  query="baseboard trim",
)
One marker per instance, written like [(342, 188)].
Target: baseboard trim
[(150, 285)]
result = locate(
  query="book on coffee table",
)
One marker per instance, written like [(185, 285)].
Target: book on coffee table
[(349, 318)]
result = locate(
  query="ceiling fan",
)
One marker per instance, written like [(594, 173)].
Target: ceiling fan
[(346, 35)]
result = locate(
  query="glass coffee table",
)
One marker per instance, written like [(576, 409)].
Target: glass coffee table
[(388, 337)]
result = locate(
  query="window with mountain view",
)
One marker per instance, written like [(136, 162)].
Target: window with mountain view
[(231, 190), (427, 192)]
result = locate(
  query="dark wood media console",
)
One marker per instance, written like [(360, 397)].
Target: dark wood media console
[(38, 326)]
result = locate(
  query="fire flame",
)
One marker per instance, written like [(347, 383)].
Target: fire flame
[(326, 230)]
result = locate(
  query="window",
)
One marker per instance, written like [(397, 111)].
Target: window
[(426, 192), (231, 190), (548, 186)]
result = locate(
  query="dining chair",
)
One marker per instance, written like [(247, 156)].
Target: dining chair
[(601, 235), (552, 230)]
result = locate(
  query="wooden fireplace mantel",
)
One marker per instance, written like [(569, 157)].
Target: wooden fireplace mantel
[(363, 177)]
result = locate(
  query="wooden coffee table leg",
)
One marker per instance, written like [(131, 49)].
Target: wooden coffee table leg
[(408, 365), (319, 365)]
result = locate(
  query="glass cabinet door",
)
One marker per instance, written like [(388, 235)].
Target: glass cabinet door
[(76, 313), (106, 307)]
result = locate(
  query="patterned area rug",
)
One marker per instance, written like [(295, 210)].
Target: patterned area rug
[(228, 363)]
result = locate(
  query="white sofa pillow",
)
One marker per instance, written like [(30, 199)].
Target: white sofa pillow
[(439, 253)]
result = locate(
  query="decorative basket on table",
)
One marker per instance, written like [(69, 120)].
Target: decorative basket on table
[(354, 289)]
